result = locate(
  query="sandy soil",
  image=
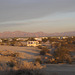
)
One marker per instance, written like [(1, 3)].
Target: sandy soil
[(26, 53), (30, 53)]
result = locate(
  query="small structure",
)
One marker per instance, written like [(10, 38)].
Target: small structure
[(33, 43), (44, 37), (64, 37), (38, 39), (56, 37), (0, 40), (10, 39), (22, 39)]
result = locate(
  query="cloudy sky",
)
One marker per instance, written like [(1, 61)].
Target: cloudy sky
[(37, 15)]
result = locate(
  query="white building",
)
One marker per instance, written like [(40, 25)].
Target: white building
[(22, 39), (56, 37), (33, 43), (38, 39), (0, 40), (44, 37), (10, 39), (64, 37)]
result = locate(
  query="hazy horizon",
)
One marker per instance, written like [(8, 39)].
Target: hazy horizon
[(48, 16)]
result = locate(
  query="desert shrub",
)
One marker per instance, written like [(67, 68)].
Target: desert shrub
[(11, 63), (42, 52), (14, 54), (27, 72), (44, 40), (31, 39), (40, 47), (73, 42), (63, 54), (26, 68), (2, 44), (55, 62), (45, 49), (11, 54), (18, 67), (38, 60), (14, 62), (68, 59), (12, 43), (3, 66)]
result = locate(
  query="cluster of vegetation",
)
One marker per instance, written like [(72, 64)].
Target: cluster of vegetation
[(38, 60), (40, 47), (31, 39), (44, 50), (44, 40), (16, 66), (9, 53), (62, 50), (62, 55)]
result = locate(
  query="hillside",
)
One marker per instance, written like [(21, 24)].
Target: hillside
[(36, 34)]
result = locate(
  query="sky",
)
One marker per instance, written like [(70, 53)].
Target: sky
[(49, 16)]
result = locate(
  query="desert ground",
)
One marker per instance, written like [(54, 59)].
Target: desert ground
[(26, 53), (31, 53)]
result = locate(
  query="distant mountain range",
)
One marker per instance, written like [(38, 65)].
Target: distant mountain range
[(36, 34)]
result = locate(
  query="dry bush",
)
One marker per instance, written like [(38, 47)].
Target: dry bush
[(62, 54), (14, 54), (12, 63), (38, 60), (40, 47), (19, 64), (15, 66), (9, 53), (18, 67), (44, 51), (26, 68), (22, 68), (27, 72), (4, 67)]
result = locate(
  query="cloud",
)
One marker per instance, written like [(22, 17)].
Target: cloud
[(35, 13), (11, 10)]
